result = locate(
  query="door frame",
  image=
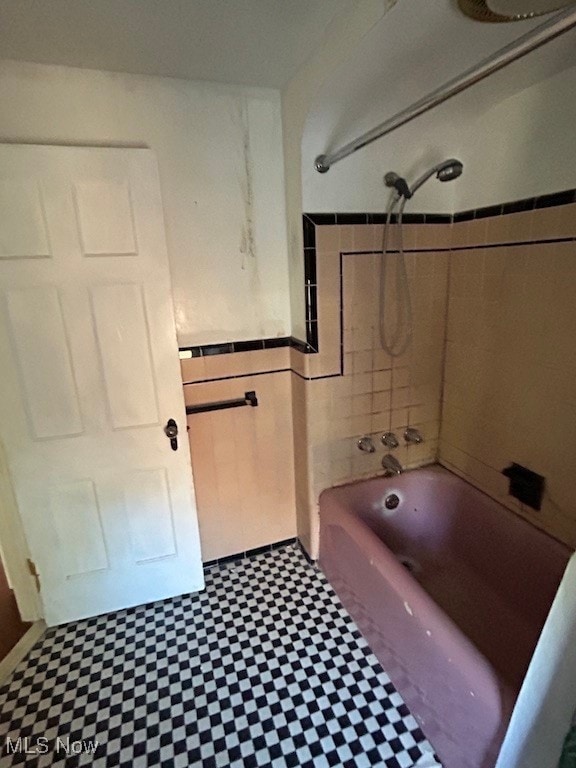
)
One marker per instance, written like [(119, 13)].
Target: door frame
[(15, 548)]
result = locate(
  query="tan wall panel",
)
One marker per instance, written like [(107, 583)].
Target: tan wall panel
[(511, 365), (243, 464)]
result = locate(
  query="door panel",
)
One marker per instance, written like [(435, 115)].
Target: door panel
[(105, 218), (78, 526), (150, 515), (24, 233), (122, 332), (43, 355), (90, 377)]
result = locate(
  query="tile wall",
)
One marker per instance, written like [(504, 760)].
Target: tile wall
[(488, 377), (242, 458), (356, 389), (510, 391)]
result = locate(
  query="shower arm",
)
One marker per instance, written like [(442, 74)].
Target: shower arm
[(556, 26)]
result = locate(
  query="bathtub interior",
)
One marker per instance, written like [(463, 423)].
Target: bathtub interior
[(490, 571)]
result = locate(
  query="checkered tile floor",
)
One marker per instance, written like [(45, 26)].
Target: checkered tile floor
[(264, 668)]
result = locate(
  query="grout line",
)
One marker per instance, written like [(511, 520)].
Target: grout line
[(262, 373), (479, 246), (444, 355)]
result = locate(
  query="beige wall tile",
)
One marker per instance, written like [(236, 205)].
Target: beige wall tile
[(362, 362), (235, 364), (399, 420), (382, 380), (382, 401), (400, 377), (514, 227), (346, 237), (327, 238), (433, 236), (510, 364), (409, 236), (361, 404), (466, 233), (362, 383), (243, 464), (381, 359), (193, 369), (559, 221), (459, 234), (298, 361), (364, 237)]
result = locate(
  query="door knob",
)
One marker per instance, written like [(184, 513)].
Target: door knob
[(171, 431)]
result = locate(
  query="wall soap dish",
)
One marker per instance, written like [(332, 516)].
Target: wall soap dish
[(525, 485)]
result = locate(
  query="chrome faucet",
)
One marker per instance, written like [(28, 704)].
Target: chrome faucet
[(391, 465), (412, 435), (390, 440), (366, 444)]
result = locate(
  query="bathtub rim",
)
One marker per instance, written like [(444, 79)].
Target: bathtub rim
[(442, 469)]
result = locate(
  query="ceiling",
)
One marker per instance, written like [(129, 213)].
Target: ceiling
[(417, 46), (245, 42)]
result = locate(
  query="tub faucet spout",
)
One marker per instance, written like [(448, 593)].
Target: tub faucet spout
[(391, 465)]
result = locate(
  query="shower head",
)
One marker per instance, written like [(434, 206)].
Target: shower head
[(445, 171), (449, 170)]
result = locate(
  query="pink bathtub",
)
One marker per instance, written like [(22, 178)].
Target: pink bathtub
[(451, 591)]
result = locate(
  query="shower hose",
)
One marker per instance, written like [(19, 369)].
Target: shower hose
[(395, 322)]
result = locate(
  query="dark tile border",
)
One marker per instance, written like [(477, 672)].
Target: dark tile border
[(557, 198), (236, 557), (208, 350), (310, 284), (565, 197), (327, 219)]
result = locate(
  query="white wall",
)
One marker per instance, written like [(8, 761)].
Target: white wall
[(513, 130), (342, 37), (219, 150), (520, 147)]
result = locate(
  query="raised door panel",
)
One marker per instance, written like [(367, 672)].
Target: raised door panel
[(124, 342), (105, 218), (150, 515), (42, 351), (23, 230), (78, 526)]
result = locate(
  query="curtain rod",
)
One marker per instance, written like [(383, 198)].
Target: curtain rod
[(556, 26)]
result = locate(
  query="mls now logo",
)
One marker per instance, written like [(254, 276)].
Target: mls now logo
[(41, 745)]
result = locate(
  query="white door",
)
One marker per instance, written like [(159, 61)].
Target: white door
[(89, 377)]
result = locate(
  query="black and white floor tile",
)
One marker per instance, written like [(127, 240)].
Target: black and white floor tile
[(263, 668)]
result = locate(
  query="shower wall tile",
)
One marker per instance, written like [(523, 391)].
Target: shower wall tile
[(510, 368), (557, 222), (346, 237), (432, 236), (513, 228), (365, 391), (364, 238), (328, 239), (459, 234)]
